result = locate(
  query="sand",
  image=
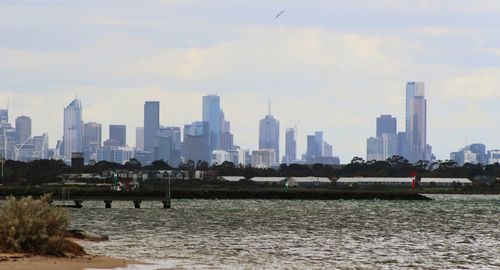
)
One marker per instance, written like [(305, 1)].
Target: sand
[(30, 262)]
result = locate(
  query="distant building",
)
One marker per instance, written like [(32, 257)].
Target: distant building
[(41, 146), (73, 129), (263, 158), (92, 140), (4, 116), (212, 115), (416, 121), (315, 145), (327, 149), (196, 145), (151, 124), (374, 149), (169, 145), (116, 154), (23, 129), (219, 156), (244, 157), (474, 154), (386, 124), (494, 156), (290, 145), (139, 138), (226, 137), (269, 135), (118, 133)]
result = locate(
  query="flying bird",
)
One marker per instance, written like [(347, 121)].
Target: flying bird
[(279, 14)]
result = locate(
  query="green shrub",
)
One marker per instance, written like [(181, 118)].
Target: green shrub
[(34, 226)]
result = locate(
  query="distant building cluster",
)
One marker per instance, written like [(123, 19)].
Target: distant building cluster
[(476, 154), (410, 143), (17, 143), (209, 140)]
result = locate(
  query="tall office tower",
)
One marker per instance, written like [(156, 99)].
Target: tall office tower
[(196, 145), (4, 116), (315, 145), (226, 137), (212, 115), (92, 140), (151, 124), (374, 149), (386, 124), (327, 150), (118, 133), (41, 145), (139, 138), (269, 134), (417, 123), (169, 145), (389, 145), (290, 145), (403, 146), (73, 129), (480, 150), (23, 129)]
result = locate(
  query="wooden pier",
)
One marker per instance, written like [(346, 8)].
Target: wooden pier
[(108, 202)]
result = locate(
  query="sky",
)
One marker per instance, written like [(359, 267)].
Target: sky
[(326, 65)]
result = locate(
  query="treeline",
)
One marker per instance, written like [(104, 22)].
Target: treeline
[(43, 171)]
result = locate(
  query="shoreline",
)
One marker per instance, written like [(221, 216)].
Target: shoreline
[(21, 261)]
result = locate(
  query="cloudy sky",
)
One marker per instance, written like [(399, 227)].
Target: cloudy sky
[(327, 65)]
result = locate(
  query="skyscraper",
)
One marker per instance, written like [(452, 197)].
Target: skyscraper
[(92, 140), (73, 125), (4, 116), (196, 142), (315, 145), (139, 138), (374, 149), (386, 124), (169, 145), (212, 115), (151, 124), (226, 137), (269, 135), (23, 129), (416, 121), (118, 133), (290, 145)]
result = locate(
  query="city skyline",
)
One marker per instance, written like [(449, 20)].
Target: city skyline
[(116, 59)]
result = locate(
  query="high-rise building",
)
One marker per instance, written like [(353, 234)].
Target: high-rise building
[(226, 137), (389, 145), (244, 157), (169, 145), (386, 124), (4, 116), (327, 150), (196, 145), (23, 129), (269, 135), (374, 149), (151, 124), (416, 121), (92, 140), (73, 129), (212, 115), (494, 156), (290, 145), (139, 138), (315, 145), (118, 133), (41, 145)]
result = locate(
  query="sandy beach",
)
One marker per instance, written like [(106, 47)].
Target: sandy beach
[(31, 262)]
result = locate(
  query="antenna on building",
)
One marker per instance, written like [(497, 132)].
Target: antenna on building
[(269, 105)]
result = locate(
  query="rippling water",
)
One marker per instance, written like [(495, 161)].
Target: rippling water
[(449, 232)]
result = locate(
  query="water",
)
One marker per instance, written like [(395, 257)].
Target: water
[(450, 232)]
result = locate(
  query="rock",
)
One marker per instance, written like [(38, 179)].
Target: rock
[(80, 234)]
